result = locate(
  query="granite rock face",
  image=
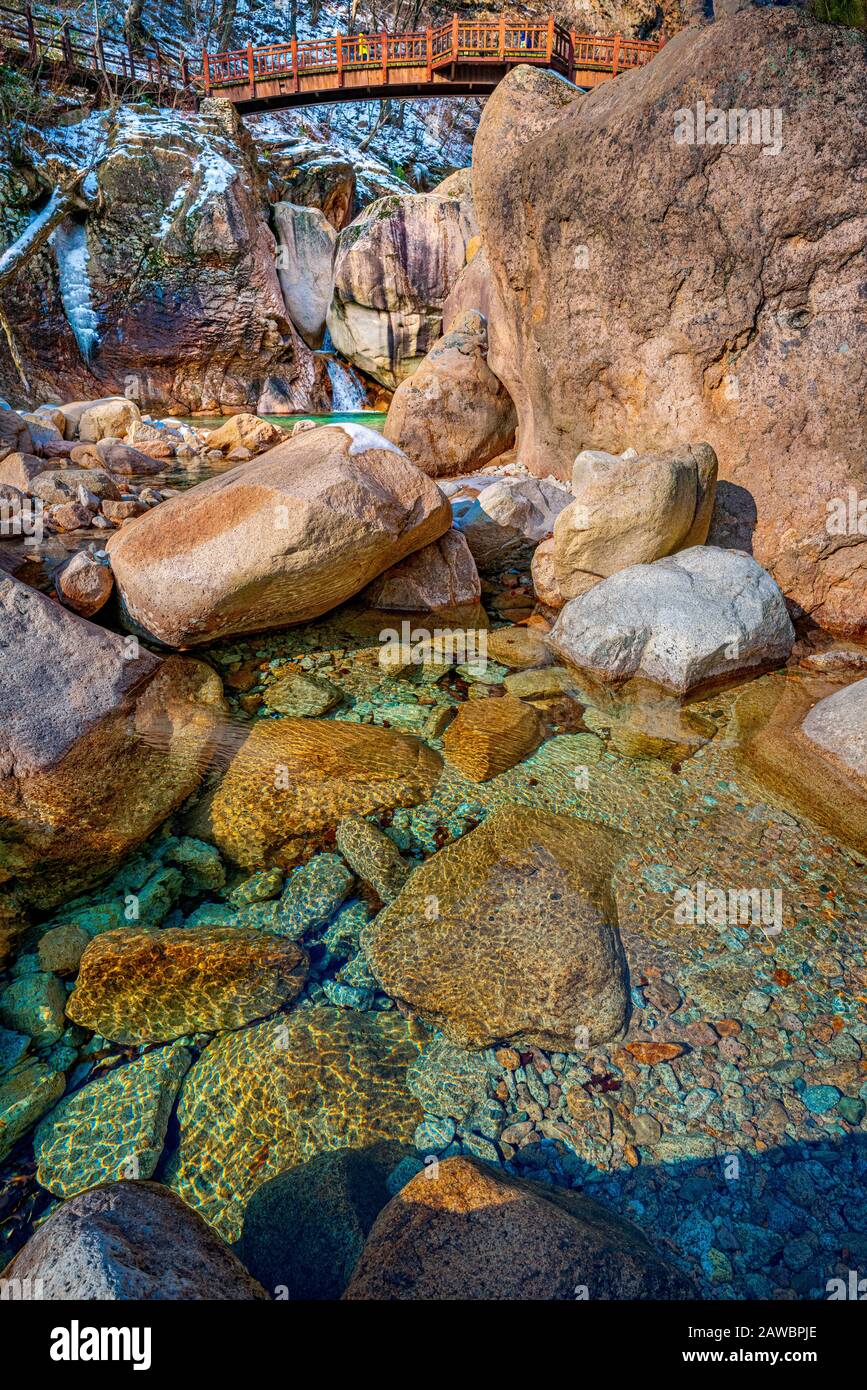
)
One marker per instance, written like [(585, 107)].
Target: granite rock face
[(509, 935), (266, 1098), (168, 292), (306, 243), (276, 541), (130, 1241), (477, 1233), (737, 271), (699, 616), (385, 321)]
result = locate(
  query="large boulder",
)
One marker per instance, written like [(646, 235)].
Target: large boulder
[(632, 510), (652, 284), (471, 292), (112, 419), (276, 541), (305, 1229), (395, 265), (697, 617), (168, 293), (15, 437), (245, 431), (298, 1085), (129, 1241), (99, 742), (306, 243), (475, 1232), (140, 986), (293, 778), (509, 935), (453, 415), (439, 578), (506, 520)]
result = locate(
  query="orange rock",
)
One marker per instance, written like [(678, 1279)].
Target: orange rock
[(489, 736), (650, 1053), (727, 1027)]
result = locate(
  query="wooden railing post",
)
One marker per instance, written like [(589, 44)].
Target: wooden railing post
[(455, 22), (550, 37), (384, 40), (571, 55), (502, 37), (294, 63), (429, 51), (339, 43), (206, 71), (66, 46), (31, 35), (185, 72), (251, 68), (615, 55)]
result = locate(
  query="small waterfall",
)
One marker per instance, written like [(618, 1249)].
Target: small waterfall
[(347, 390)]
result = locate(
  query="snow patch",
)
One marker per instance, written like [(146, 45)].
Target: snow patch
[(69, 242), (364, 438)]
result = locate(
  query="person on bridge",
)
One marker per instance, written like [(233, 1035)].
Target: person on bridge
[(363, 48)]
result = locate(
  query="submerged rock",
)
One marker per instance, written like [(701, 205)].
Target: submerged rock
[(151, 986), (34, 1005), (130, 1241), (268, 1097), (295, 777), (27, 1090), (374, 857), (477, 1233), (305, 1229), (489, 736), (837, 726), (93, 702), (509, 935), (114, 1127), (302, 695), (276, 541), (702, 615)]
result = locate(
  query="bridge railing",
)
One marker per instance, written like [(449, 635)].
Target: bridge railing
[(40, 38)]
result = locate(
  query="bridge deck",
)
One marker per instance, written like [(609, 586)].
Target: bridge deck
[(454, 59)]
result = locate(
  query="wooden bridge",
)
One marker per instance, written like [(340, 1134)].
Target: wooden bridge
[(458, 58)]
